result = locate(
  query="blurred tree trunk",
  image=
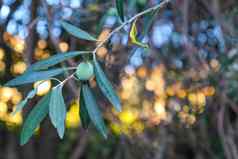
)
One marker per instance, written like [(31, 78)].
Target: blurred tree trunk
[(48, 142), (11, 148), (28, 151)]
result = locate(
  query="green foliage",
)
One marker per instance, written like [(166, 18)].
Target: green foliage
[(33, 120), (105, 86), (83, 113), (30, 77), (93, 111), (57, 110), (120, 9), (77, 32)]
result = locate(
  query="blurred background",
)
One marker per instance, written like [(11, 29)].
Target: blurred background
[(179, 96)]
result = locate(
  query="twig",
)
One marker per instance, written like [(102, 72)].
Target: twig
[(33, 23), (220, 126), (80, 147)]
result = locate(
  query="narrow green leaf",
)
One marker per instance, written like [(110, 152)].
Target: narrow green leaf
[(120, 9), (149, 19), (30, 77), (77, 32), (93, 110), (34, 118), (83, 113), (106, 87), (133, 36), (57, 110), (22, 104), (53, 60)]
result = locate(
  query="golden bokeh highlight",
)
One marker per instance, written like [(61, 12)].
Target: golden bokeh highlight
[(41, 52), (142, 72), (42, 44), (18, 68), (185, 99), (42, 87), (72, 116), (63, 46), (2, 66), (9, 98), (215, 65), (2, 54), (102, 51), (15, 42)]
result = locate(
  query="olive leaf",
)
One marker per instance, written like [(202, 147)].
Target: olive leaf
[(57, 110), (53, 60), (77, 32), (93, 111), (133, 36), (30, 77), (105, 86), (83, 113), (38, 113), (120, 9), (22, 104)]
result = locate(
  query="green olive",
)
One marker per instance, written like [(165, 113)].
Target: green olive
[(84, 71)]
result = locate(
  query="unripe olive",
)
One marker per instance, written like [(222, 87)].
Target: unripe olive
[(84, 71)]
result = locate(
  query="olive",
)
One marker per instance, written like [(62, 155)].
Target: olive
[(84, 71)]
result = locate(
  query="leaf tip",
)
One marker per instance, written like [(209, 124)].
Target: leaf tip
[(62, 22), (22, 143), (23, 140), (7, 84), (105, 135), (61, 136), (118, 107), (61, 132)]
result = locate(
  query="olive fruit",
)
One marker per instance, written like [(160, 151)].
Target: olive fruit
[(84, 71)]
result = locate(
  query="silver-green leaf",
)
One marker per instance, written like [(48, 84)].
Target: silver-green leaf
[(22, 104), (106, 87), (93, 110), (30, 77), (77, 32), (57, 110), (83, 113), (38, 113), (120, 9), (53, 60)]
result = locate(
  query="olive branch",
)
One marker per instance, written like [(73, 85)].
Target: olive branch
[(53, 102)]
